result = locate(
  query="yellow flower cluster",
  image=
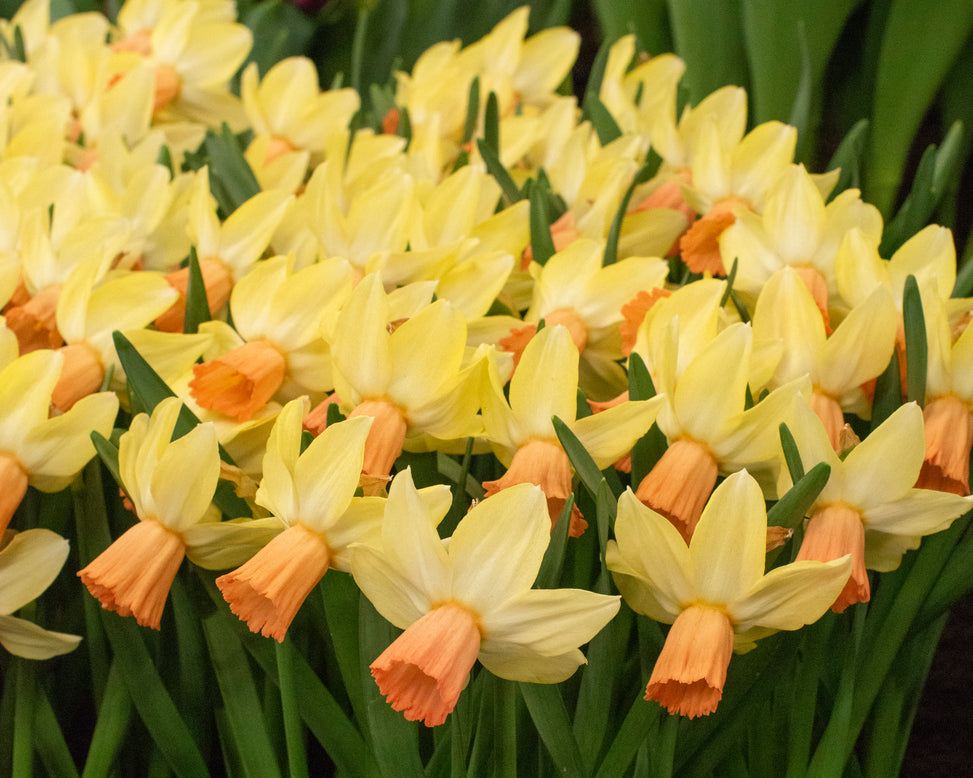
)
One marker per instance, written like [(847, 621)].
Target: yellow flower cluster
[(397, 292)]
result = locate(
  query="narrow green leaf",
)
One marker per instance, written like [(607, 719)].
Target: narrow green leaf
[(245, 718), (601, 119), (646, 18), (794, 504), (541, 240), (197, 306), (640, 719), (496, 169), (232, 182), (484, 733), (49, 740), (472, 111), (640, 385), (404, 128), (709, 37), (550, 717), (730, 278), (395, 741), (549, 574), (581, 460), (491, 123), (23, 672), (597, 72), (916, 348), (920, 42), (108, 452), (111, 726), (848, 158), (888, 392), (791, 454)]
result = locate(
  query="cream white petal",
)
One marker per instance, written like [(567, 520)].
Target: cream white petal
[(395, 593), (653, 550), (521, 663), (549, 361)]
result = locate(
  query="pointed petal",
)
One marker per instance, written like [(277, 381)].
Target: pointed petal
[(497, 548), (184, 480), (326, 474), (360, 343), (28, 565), (550, 621), (885, 465), (393, 591), (729, 543), (653, 550), (521, 663), (861, 345), (426, 352), (550, 360), (791, 596), (610, 434), (23, 638), (919, 512)]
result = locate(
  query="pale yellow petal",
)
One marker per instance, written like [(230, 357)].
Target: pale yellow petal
[(184, 480), (919, 512), (885, 465), (222, 545), (28, 565), (521, 663), (606, 436), (498, 546), (26, 639), (550, 361)]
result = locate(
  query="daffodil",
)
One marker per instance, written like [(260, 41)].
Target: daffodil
[(29, 563), (575, 290), (857, 352), (37, 449), (412, 380), (728, 178), (796, 228), (713, 432), (714, 591), (312, 494), (469, 600), (521, 432), (869, 496), (948, 407), (287, 107), (171, 485), (279, 315), (226, 250)]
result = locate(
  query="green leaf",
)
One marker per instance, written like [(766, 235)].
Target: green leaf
[(640, 719), (936, 171), (552, 565), (197, 306), (791, 453), (888, 392), (472, 111), (601, 119), (794, 504), (232, 182), (395, 741), (920, 41), (550, 717), (709, 37), (541, 240), (245, 717), (848, 158), (640, 385), (646, 18), (581, 460), (49, 742), (491, 123), (916, 348), (111, 726), (496, 169)]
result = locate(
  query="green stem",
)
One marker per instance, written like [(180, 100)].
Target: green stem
[(110, 728), (293, 728), (23, 751), (358, 47)]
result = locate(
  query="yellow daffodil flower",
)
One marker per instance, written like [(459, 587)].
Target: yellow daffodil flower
[(311, 493), (522, 435), (857, 352), (171, 485), (37, 449), (469, 600), (714, 591), (797, 229), (411, 381), (712, 432), (870, 493), (279, 315)]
